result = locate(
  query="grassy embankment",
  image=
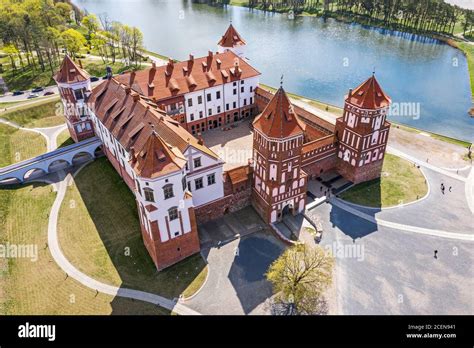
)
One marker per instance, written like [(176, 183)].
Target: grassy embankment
[(111, 249), (401, 182), (47, 113)]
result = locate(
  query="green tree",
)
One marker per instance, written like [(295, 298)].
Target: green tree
[(91, 23), (299, 277), (11, 51), (73, 41)]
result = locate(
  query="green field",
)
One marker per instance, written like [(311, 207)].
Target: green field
[(64, 138), (401, 182), (99, 233), (40, 287), (468, 49), (42, 114), (18, 145)]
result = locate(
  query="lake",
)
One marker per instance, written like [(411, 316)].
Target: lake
[(319, 58)]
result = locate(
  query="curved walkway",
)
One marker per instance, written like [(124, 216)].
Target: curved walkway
[(91, 283), (438, 233)]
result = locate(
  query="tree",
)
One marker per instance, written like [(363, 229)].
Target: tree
[(73, 41), (11, 50), (91, 23), (299, 277)]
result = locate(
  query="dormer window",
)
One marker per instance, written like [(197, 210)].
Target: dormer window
[(197, 162)]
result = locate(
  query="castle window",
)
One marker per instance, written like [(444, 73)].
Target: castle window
[(251, 100), (138, 187), (173, 213), (211, 179), (197, 162), (79, 94), (189, 186), (242, 89), (149, 196), (227, 106), (199, 99), (200, 114), (218, 109), (234, 105), (209, 98), (176, 234), (251, 89), (234, 84), (190, 102), (218, 95), (235, 91), (198, 183), (192, 117), (168, 191), (209, 112)]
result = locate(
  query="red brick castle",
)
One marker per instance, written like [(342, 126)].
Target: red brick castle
[(146, 121)]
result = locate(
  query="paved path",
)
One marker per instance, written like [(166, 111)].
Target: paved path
[(402, 227), (66, 266)]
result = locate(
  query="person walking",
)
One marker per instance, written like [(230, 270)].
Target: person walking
[(436, 254), (450, 187), (442, 188)]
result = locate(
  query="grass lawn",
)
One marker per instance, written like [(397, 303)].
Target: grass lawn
[(64, 139), (99, 233), (400, 183), (17, 145), (41, 287), (469, 51), (42, 114), (28, 78)]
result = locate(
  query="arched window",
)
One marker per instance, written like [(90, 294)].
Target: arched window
[(149, 196)]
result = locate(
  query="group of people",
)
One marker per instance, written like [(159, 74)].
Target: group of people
[(443, 188)]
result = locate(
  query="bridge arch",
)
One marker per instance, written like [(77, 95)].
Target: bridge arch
[(58, 165), (10, 181), (34, 173), (98, 151), (81, 157)]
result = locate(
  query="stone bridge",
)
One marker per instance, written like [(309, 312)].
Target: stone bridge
[(51, 162)]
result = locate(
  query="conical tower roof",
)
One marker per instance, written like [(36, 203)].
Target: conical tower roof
[(70, 72), (369, 95), (231, 38), (278, 119)]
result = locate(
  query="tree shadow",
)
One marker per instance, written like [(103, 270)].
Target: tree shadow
[(247, 273), (112, 208)]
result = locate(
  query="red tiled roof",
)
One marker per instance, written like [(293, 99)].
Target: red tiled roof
[(157, 158), (231, 38), (70, 72), (369, 95), (278, 119), (132, 118), (175, 79), (239, 174)]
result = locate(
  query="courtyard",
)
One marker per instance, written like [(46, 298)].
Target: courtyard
[(233, 143)]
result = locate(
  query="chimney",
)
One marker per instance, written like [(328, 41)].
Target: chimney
[(191, 57), (350, 92), (210, 54), (218, 61), (153, 65), (132, 154), (127, 89), (200, 139), (136, 97), (132, 78)]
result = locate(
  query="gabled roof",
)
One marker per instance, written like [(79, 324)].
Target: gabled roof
[(157, 158), (70, 72), (369, 95), (178, 78), (231, 38), (279, 119), (132, 119)]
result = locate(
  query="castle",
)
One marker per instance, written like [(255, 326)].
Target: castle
[(147, 122)]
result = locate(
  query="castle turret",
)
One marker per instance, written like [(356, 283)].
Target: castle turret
[(232, 41), (279, 183), (362, 132), (74, 86)]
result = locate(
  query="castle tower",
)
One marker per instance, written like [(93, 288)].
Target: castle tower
[(232, 41), (362, 132), (165, 205), (279, 183), (74, 87)]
